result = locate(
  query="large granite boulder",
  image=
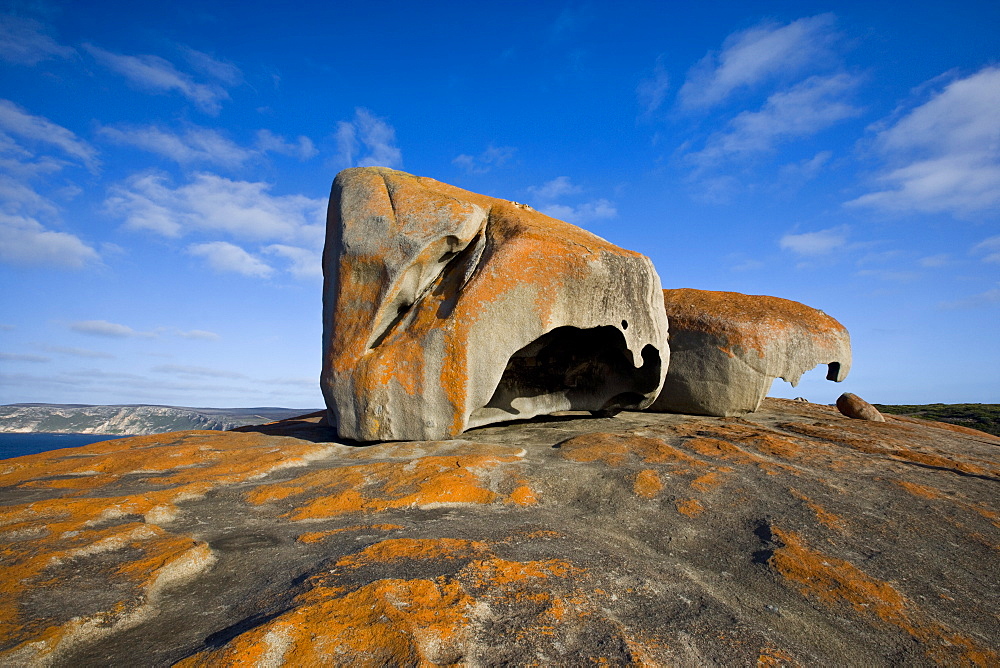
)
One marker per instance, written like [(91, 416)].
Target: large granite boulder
[(726, 348), (445, 310)]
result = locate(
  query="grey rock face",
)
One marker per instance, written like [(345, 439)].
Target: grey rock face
[(444, 310), (855, 407), (726, 348)]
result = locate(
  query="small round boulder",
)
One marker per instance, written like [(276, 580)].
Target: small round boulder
[(855, 407)]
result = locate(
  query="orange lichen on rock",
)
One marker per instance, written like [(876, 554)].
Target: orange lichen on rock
[(90, 517), (320, 536), (647, 484), (616, 449), (833, 581), (727, 348), (433, 480), (418, 273), (424, 621), (690, 507), (825, 517)]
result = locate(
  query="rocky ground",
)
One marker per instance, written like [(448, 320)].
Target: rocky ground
[(794, 536)]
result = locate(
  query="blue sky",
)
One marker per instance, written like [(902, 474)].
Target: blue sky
[(164, 173)]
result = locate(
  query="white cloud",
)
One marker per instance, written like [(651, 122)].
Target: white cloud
[(808, 168), (26, 241), (815, 243), (24, 41), (981, 300), (109, 329), (183, 370), (944, 156), (367, 141), (199, 334), (802, 110), (193, 145), (304, 263), (302, 148), (221, 70), (493, 156), (760, 54), (16, 357), (225, 257), (935, 261), (990, 248), (556, 188), (588, 212), (15, 120), (160, 76), (651, 92), (79, 352), (242, 209)]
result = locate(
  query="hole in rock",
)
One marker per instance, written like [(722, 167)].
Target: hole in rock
[(624, 324), (572, 369), (833, 371)]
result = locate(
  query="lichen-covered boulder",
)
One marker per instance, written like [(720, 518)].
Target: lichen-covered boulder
[(444, 310), (726, 348)]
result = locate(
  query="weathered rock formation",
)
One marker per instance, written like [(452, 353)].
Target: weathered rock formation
[(726, 348), (795, 536), (445, 310), (855, 407)]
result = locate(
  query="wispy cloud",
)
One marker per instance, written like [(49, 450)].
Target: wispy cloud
[(302, 148), (245, 210), (762, 53), (493, 156), (16, 121), (989, 249), (79, 352), (944, 155), (225, 257), (981, 300), (109, 329), (26, 41), (367, 141), (17, 357), (200, 334), (25, 241), (652, 91), (220, 70), (821, 242), (556, 188), (802, 110), (303, 262), (198, 371), (581, 214), (193, 145), (546, 195), (159, 75)]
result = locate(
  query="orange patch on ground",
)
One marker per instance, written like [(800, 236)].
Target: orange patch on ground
[(708, 481), (614, 450), (834, 582), (647, 484), (320, 536), (690, 507), (74, 526), (419, 622), (379, 486), (825, 517)]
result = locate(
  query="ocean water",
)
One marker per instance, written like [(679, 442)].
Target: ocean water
[(16, 445)]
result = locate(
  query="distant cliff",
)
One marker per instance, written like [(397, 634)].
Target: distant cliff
[(132, 419)]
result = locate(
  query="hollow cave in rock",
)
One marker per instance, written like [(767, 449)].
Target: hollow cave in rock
[(575, 369)]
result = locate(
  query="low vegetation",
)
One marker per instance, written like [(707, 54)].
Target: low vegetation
[(984, 417)]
